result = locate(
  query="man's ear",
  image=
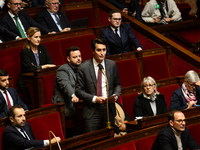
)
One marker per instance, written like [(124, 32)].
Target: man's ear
[(68, 59), (8, 4), (11, 119), (109, 19), (171, 123)]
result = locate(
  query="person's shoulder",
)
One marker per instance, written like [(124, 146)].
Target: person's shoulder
[(105, 29), (8, 128), (5, 16), (61, 12), (42, 47), (23, 13), (166, 131), (41, 13), (63, 67), (140, 96)]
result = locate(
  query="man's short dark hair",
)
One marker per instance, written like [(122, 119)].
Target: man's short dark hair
[(11, 110), (171, 115), (97, 41), (72, 48), (3, 72), (113, 11)]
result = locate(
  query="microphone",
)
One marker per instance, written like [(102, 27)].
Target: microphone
[(102, 70)]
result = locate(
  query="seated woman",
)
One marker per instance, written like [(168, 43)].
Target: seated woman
[(120, 119), (34, 56), (188, 95), (150, 102)]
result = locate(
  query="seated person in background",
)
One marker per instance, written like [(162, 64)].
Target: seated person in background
[(175, 135), (18, 21), (188, 95), (8, 96), (34, 56), (119, 37), (120, 119), (52, 18), (41, 3), (18, 134), (130, 7), (160, 12), (2, 5), (150, 102)]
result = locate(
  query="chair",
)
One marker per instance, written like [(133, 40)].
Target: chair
[(145, 143), (127, 146)]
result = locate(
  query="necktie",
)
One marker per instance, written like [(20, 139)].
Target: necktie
[(58, 20), (8, 100), (99, 82), (22, 130), (118, 37), (19, 27)]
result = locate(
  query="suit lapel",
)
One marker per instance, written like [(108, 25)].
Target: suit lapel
[(108, 72), (113, 37), (12, 95), (122, 34), (12, 24), (92, 73), (51, 19), (23, 21), (71, 72), (4, 103)]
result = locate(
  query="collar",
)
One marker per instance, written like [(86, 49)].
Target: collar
[(114, 29), (51, 12), (11, 15), (96, 63), (175, 132)]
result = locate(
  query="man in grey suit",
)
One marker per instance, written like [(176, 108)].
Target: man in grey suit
[(91, 87), (64, 86)]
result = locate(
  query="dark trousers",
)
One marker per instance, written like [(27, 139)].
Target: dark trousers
[(98, 119)]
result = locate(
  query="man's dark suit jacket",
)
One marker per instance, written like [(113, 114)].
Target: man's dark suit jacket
[(14, 140), (178, 100), (44, 18), (41, 3), (166, 140), (142, 106), (127, 37), (16, 100), (86, 85), (26, 20), (6, 33)]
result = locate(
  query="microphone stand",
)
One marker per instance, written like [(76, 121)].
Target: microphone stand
[(108, 123)]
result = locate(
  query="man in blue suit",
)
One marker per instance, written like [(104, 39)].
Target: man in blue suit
[(17, 21), (8, 96), (119, 37)]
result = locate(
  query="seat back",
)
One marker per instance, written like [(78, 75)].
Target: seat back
[(145, 143), (194, 131), (127, 146), (156, 66), (128, 103), (128, 72), (42, 125), (167, 91), (48, 88), (1, 133)]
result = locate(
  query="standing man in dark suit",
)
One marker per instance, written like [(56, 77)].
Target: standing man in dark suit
[(8, 96), (175, 135), (120, 37), (52, 18), (18, 21), (18, 134), (91, 87)]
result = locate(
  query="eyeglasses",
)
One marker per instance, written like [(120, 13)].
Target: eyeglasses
[(150, 85), (192, 85), (16, 4), (115, 19), (180, 121), (55, 3)]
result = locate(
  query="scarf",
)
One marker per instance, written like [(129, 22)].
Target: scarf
[(151, 98), (188, 96)]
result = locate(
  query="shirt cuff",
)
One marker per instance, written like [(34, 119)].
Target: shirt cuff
[(139, 48), (16, 37), (73, 95), (46, 142), (94, 99)]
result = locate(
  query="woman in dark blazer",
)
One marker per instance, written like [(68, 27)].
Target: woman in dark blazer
[(150, 102), (34, 56), (188, 95)]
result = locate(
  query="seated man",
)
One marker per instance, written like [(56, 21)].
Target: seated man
[(18, 21), (18, 134), (8, 96), (52, 18), (175, 135), (119, 37), (160, 12), (40, 3)]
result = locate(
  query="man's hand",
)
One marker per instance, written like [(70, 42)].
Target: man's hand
[(122, 126), (48, 66), (112, 99), (157, 20), (53, 32), (54, 140), (75, 99), (66, 30), (125, 10), (100, 100), (19, 38), (168, 19)]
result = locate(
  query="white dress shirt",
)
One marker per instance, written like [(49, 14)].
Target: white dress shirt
[(54, 19)]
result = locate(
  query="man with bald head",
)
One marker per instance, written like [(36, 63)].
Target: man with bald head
[(52, 18), (18, 21), (175, 135)]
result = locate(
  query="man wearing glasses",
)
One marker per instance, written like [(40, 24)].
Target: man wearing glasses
[(18, 21), (188, 95), (175, 135), (119, 37), (52, 18)]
